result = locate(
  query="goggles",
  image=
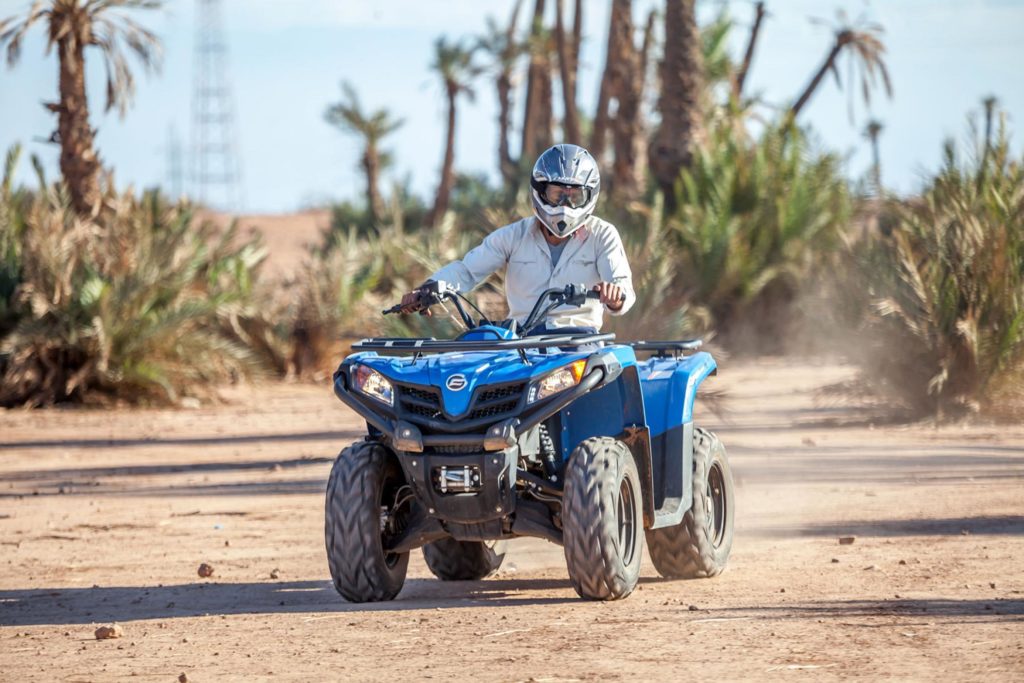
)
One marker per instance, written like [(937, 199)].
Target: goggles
[(573, 196)]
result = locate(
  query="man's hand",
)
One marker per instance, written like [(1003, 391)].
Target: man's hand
[(612, 295), (411, 303)]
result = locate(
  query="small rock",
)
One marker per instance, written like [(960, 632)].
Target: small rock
[(835, 560), (871, 567), (847, 540), (965, 532), (190, 403), (108, 632), (276, 573), (227, 543), (693, 608), (903, 561), (276, 468), (992, 585), (205, 570), (782, 590), (182, 678)]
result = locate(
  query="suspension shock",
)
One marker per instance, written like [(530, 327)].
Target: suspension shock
[(547, 450)]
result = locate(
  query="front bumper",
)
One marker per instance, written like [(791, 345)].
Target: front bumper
[(492, 497)]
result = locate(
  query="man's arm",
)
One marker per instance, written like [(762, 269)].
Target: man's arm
[(481, 260), (613, 267)]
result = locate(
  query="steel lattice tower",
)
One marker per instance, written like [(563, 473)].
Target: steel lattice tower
[(216, 170)]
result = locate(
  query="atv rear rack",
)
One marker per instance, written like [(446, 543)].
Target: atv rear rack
[(674, 349)]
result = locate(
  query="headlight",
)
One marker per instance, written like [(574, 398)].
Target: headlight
[(557, 381), (373, 384)]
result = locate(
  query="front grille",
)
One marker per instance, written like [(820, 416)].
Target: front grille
[(420, 402), (426, 396), (491, 403), (508, 391), (494, 410)]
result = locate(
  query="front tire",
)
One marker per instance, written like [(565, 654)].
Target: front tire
[(699, 546), (358, 518), (602, 519), (451, 560)]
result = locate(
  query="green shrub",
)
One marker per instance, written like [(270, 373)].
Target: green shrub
[(132, 305), (756, 219), (946, 333)]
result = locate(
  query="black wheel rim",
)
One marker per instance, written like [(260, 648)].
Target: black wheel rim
[(716, 505), (626, 514)]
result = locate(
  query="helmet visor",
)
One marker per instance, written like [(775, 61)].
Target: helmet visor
[(573, 196)]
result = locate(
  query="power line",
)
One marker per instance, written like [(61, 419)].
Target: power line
[(216, 169)]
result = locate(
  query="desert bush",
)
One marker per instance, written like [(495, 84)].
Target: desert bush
[(130, 305), (756, 218), (663, 309), (946, 329)]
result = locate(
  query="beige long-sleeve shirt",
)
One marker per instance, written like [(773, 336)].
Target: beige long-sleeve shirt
[(593, 254)]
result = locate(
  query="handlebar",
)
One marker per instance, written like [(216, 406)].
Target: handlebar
[(434, 292)]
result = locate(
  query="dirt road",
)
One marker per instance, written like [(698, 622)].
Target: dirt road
[(106, 516)]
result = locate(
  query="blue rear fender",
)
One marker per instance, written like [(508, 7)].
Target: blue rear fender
[(669, 388)]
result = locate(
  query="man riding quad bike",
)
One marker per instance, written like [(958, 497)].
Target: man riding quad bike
[(535, 426)]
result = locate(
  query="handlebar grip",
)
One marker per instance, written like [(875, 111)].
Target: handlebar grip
[(594, 294)]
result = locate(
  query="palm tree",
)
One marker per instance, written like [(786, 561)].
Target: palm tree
[(505, 50), (682, 89), (72, 26), (568, 65), (864, 44), (748, 54), (872, 131), (537, 119), (454, 64), (627, 66), (348, 115)]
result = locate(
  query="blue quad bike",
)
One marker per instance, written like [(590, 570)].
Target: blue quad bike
[(498, 434)]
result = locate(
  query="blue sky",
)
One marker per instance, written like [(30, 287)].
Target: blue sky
[(287, 58)]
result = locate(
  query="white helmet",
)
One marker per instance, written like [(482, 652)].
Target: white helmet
[(566, 183)]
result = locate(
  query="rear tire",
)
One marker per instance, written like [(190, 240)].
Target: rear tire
[(602, 519), (699, 546), (361, 488), (452, 560)]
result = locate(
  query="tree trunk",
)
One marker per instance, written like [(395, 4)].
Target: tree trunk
[(626, 85), (444, 189), (682, 90), (748, 56), (602, 116), (828, 64), (371, 165), (537, 121), (876, 163), (78, 161), (507, 165), (567, 67)]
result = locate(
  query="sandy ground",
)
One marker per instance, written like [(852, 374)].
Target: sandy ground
[(287, 237), (105, 517)]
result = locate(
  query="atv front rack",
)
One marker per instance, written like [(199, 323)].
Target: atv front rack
[(431, 345)]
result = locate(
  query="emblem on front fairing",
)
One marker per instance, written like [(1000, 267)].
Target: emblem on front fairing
[(456, 382)]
